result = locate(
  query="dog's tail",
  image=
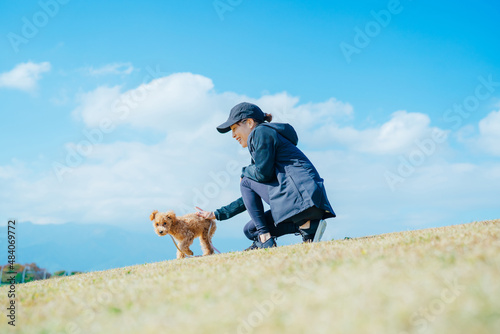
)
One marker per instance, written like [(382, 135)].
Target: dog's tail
[(153, 214)]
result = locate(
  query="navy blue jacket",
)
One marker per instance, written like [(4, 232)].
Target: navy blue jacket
[(276, 160)]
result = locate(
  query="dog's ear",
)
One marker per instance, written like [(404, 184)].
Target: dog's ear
[(153, 215), (171, 215)]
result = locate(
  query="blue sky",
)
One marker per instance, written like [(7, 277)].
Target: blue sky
[(359, 119)]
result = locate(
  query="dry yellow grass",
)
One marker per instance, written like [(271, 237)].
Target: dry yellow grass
[(441, 280)]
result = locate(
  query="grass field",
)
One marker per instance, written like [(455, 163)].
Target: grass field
[(441, 280)]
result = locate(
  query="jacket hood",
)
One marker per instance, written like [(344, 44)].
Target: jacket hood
[(286, 130)]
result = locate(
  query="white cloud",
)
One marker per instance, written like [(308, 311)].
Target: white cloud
[(177, 101), (96, 105), (114, 68), (24, 76), (489, 133), (396, 136), (180, 100), (483, 138), (306, 117)]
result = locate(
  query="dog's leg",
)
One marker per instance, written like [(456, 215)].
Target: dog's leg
[(180, 255), (205, 243), (184, 246)]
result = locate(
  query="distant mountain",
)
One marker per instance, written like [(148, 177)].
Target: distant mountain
[(91, 247)]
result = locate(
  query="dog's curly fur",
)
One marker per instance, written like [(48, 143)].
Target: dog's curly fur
[(184, 229)]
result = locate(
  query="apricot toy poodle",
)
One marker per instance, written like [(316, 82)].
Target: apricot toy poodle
[(184, 229)]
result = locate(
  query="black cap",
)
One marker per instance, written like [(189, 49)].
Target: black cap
[(240, 112)]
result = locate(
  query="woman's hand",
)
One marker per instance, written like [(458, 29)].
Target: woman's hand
[(205, 214)]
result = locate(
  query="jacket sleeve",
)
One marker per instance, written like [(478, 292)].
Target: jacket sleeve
[(230, 210), (263, 151)]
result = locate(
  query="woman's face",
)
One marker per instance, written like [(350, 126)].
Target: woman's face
[(242, 129)]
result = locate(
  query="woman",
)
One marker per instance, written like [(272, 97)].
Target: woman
[(280, 174)]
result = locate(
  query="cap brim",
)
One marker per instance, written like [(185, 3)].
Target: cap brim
[(225, 127)]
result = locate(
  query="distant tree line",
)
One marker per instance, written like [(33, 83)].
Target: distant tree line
[(29, 272)]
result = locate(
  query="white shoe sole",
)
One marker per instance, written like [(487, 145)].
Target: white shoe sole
[(319, 232)]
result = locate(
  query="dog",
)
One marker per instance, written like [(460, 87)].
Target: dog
[(184, 229)]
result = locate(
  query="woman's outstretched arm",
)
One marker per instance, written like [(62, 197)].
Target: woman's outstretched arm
[(225, 212)]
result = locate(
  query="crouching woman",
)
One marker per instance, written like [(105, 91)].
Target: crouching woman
[(280, 175)]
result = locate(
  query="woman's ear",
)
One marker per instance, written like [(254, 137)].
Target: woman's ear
[(251, 123)]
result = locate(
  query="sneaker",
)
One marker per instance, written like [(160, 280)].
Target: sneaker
[(308, 233), (252, 246), (307, 238), (267, 244)]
